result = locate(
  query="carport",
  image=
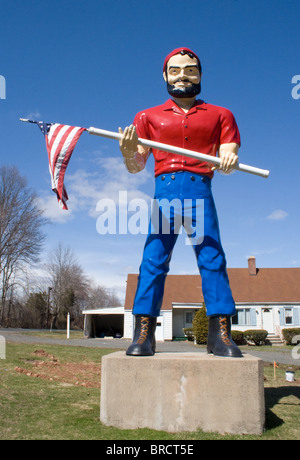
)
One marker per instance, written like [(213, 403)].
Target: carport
[(104, 322)]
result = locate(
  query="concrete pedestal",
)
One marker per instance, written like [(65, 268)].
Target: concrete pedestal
[(183, 392)]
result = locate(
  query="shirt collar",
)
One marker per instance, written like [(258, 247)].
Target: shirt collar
[(171, 105)]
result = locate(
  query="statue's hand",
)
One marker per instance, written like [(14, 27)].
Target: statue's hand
[(129, 142), (228, 156)]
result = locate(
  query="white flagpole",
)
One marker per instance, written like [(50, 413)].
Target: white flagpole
[(177, 150), (68, 325), (180, 151)]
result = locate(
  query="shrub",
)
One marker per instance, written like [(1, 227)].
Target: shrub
[(188, 332), (200, 326), (258, 336), (289, 334), (238, 337)]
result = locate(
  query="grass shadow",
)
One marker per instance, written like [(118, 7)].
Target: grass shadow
[(273, 396)]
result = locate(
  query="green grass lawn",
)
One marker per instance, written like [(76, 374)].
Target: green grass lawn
[(53, 392), (55, 334)]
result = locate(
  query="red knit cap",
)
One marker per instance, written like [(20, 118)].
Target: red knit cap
[(178, 51)]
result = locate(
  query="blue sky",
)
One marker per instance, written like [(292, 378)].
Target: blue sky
[(98, 62)]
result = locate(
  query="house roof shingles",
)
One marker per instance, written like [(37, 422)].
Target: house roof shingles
[(269, 285)]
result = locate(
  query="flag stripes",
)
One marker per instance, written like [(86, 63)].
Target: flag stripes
[(60, 142)]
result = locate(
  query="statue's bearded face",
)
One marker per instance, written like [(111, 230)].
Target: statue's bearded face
[(183, 76)]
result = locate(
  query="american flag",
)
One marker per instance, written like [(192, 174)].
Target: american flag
[(60, 142)]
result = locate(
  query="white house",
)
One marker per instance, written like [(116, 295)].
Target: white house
[(266, 298)]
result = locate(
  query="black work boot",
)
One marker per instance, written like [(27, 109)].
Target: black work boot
[(144, 337), (219, 341)]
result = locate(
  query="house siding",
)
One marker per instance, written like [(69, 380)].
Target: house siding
[(128, 324), (168, 325)]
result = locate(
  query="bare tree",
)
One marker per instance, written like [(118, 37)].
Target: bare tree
[(101, 297), (68, 282), (21, 221)]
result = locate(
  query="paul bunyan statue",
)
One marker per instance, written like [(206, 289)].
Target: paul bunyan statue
[(187, 122)]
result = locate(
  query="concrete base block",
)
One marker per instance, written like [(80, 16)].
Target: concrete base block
[(183, 392)]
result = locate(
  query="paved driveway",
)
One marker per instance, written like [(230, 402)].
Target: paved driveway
[(20, 335)]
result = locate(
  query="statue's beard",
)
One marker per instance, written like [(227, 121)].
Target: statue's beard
[(184, 92)]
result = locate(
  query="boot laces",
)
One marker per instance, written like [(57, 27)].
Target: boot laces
[(224, 332), (144, 330)]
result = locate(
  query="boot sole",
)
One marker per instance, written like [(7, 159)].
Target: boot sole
[(223, 356), (139, 354)]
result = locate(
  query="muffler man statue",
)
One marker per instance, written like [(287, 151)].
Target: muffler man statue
[(190, 123)]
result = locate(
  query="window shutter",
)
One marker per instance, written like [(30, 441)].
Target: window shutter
[(253, 316), (296, 316)]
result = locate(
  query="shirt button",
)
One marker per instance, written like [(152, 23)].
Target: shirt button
[(203, 179), (163, 177), (172, 177), (185, 126), (186, 138), (193, 178)]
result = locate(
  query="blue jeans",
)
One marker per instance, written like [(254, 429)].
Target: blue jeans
[(191, 204)]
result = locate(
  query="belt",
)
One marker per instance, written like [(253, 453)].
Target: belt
[(193, 177)]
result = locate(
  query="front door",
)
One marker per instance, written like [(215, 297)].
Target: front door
[(267, 320)]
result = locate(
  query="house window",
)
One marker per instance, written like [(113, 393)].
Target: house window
[(242, 317), (288, 316), (189, 315)]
